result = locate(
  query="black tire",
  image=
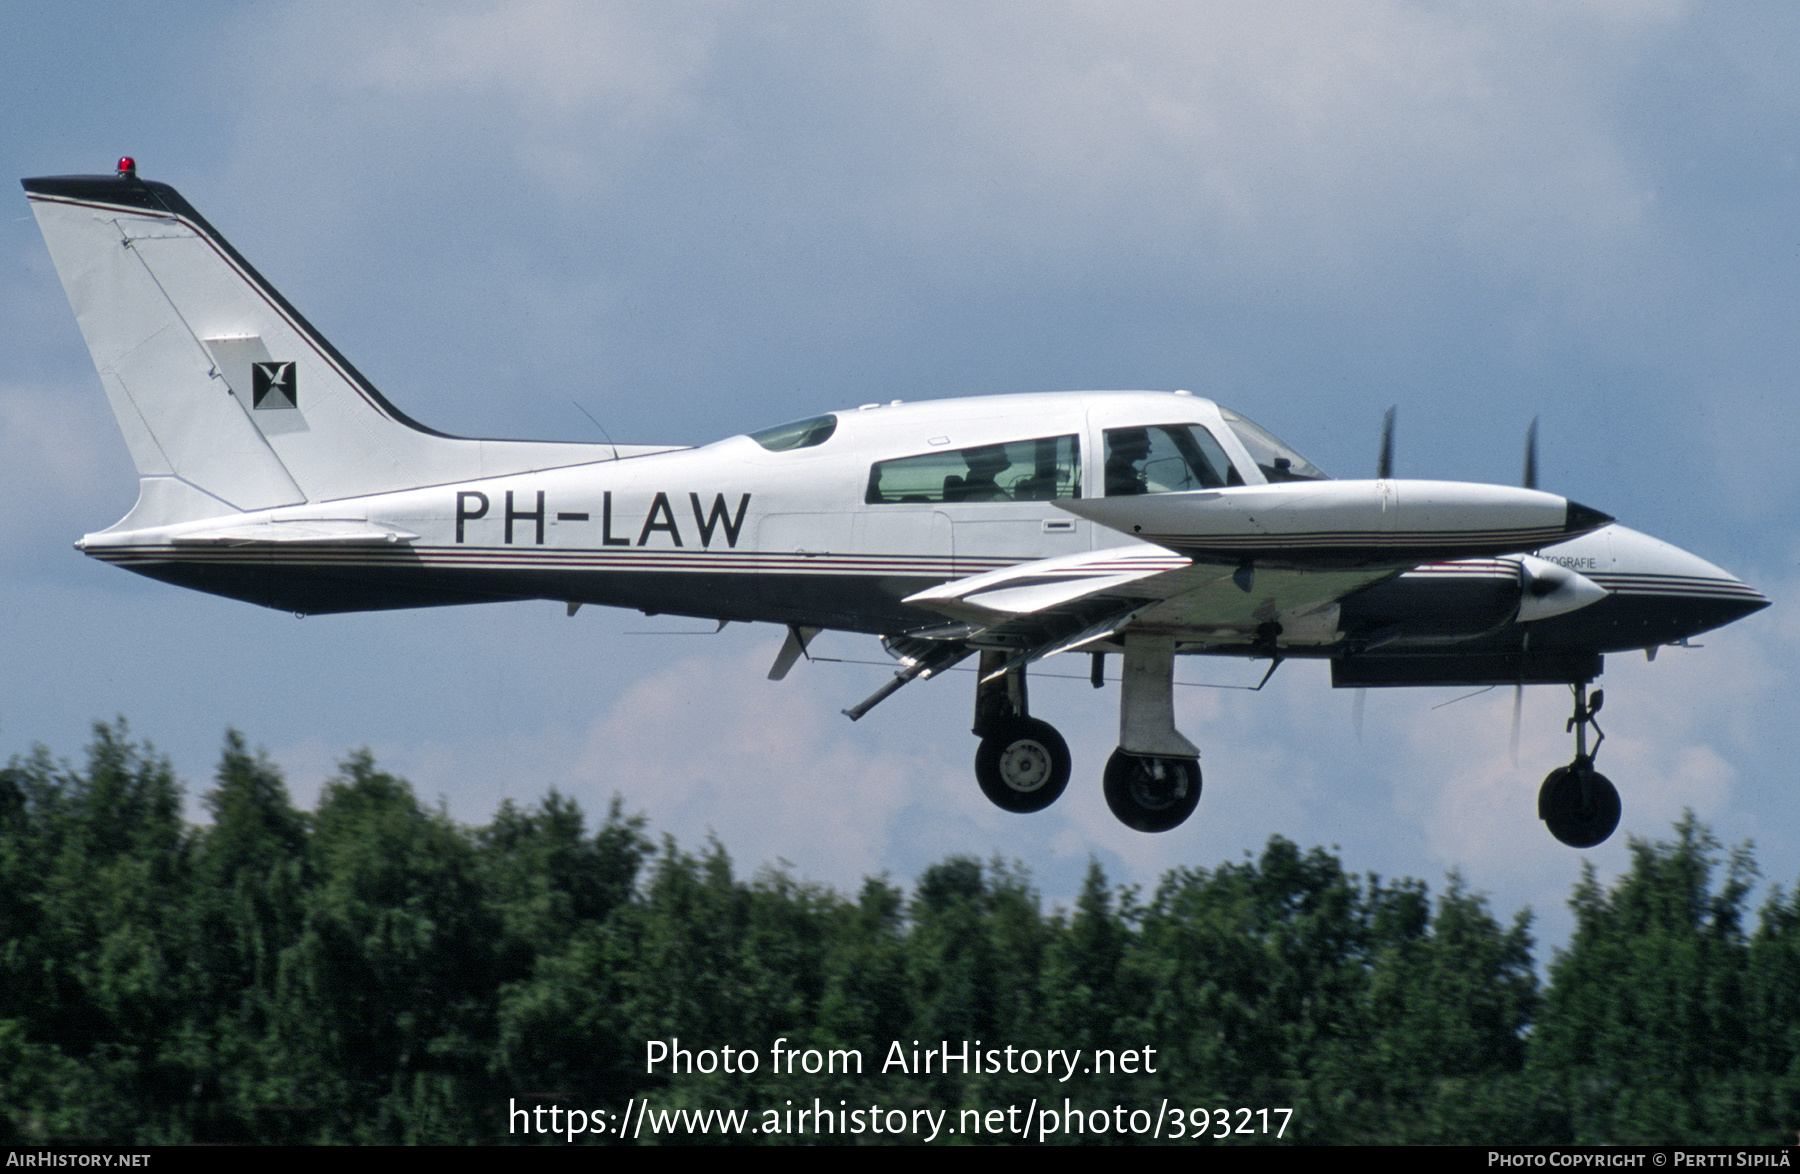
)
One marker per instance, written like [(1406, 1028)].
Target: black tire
[(1150, 794), (1579, 805), (1022, 765)]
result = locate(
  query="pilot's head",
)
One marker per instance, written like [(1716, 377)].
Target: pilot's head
[(1127, 444)]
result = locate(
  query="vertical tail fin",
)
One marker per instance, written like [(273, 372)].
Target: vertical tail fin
[(229, 400)]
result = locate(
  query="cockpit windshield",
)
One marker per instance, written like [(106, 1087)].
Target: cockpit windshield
[(1277, 461)]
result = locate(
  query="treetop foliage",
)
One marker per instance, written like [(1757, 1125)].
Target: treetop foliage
[(373, 971)]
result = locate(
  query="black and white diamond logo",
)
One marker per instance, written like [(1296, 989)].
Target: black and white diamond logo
[(272, 386)]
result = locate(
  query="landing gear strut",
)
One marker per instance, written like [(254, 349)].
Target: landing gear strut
[(1578, 803), (1022, 763), (1153, 779)]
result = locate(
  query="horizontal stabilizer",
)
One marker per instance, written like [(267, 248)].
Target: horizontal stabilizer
[(295, 533)]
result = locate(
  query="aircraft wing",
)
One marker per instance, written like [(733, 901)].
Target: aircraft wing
[(1243, 566), (1040, 608)]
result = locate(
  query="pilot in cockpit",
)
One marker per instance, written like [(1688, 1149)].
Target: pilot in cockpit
[(1126, 450)]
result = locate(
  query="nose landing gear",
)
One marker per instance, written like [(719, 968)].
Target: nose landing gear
[(1578, 803)]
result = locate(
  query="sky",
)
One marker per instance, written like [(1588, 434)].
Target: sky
[(673, 222)]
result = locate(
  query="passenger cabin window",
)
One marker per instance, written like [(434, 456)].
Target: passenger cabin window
[(799, 434), (1165, 458), (1022, 470)]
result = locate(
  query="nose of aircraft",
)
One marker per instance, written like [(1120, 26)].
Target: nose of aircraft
[(1672, 594)]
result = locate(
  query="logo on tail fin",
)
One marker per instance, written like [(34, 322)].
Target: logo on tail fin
[(272, 385)]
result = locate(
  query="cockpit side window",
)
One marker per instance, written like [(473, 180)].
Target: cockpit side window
[(799, 434), (1165, 458), (1041, 469)]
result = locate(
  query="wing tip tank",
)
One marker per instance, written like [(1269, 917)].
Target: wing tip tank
[(1581, 519)]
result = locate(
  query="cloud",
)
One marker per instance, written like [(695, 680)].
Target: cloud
[(1287, 141), (63, 469), (549, 55), (1295, 144), (704, 743), (575, 81)]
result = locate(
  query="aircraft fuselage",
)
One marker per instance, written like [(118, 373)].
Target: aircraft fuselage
[(735, 531)]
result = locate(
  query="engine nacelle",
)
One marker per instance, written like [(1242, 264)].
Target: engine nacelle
[(1443, 604)]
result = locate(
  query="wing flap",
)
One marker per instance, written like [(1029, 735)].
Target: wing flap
[(1048, 585)]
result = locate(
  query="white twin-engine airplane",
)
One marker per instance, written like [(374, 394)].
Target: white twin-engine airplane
[(1008, 528)]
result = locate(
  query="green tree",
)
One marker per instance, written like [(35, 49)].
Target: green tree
[(100, 855), (245, 909), (557, 893), (386, 995), (1259, 971), (1644, 1017)]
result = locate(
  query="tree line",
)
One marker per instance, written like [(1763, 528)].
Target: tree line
[(372, 971)]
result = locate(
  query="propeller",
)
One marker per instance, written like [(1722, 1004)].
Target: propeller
[(1518, 705), (1384, 471), (1529, 481)]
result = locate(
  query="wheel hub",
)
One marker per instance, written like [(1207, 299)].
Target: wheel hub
[(1155, 786), (1025, 766), (1579, 805), (1151, 794), (1022, 764)]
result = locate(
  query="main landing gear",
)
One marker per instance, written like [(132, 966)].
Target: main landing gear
[(1022, 763), (1578, 803), (1152, 781), (1149, 793)]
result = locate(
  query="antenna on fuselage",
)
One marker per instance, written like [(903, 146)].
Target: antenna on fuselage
[(1384, 464), (596, 423)]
